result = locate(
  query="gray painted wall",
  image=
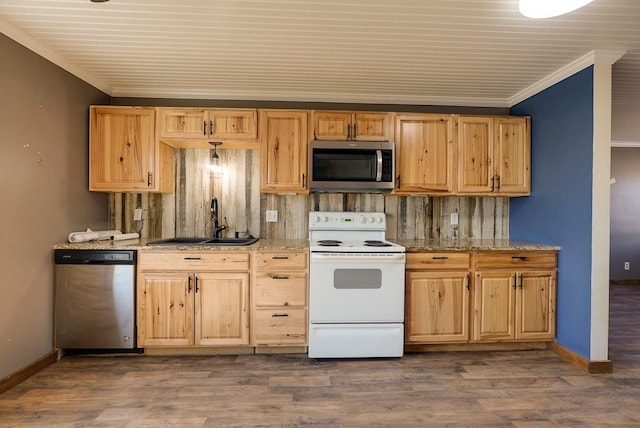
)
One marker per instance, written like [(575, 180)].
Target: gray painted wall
[(44, 179), (625, 213)]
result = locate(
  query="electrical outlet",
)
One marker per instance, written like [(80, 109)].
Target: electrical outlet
[(627, 266), (272, 216), (137, 214), (454, 219)]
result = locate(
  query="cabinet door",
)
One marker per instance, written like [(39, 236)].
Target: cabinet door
[(182, 123), (165, 309), (122, 149), (331, 125), (437, 307), (494, 306), (513, 155), (535, 305), (234, 124), (424, 153), (475, 154), (283, 152), (370, 126), (221, 308)]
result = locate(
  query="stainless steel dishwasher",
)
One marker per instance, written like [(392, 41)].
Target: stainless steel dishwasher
[(95, 300)]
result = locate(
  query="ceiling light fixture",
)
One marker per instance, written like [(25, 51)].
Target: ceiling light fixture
[(539, 9), (214, 165)]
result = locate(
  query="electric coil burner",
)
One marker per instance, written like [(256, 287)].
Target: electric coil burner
[(356, 287)]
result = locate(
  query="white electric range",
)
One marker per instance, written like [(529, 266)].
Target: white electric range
[(356, 287)]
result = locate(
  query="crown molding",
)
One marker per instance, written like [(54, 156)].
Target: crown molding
[(587, 60), (328, 97), (28, 41)]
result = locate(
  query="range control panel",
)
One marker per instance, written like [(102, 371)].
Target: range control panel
[(320, 220)]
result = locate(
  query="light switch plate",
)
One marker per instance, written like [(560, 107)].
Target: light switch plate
[(272, 216), (454, 219), (137, 214)]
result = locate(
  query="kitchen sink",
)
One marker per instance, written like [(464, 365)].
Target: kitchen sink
[(184, 241)]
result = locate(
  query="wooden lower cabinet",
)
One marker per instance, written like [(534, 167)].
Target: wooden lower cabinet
[(221, 316), (515, 304), (437, 307), (437, 290), (279, 296), (185, 308), (165, 309), (511, 297)]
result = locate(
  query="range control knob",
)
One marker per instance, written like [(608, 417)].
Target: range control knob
[(363, 219), (380, 219)]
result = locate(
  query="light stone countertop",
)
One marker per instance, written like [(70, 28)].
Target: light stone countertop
[(416, 245), (141, 244), (419, 245)]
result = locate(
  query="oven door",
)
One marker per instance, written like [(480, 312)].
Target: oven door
[(353, 288)]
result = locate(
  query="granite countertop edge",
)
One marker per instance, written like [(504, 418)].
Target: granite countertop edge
[(474, 245), (141, 244), (414, 245)]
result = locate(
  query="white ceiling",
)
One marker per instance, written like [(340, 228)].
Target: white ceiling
[(449, 52)]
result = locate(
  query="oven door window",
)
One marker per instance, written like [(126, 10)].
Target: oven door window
[(357, 279), (344, 165)]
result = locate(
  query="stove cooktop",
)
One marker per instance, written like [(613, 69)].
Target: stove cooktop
[(367, 246)]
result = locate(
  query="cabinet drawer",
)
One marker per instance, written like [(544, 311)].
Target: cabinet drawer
[(281, 260), (438, 261), (186, 260), (516, 260), (282, 289), (280, 327)]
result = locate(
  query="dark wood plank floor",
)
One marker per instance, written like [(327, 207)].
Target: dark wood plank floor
[(510, 389)]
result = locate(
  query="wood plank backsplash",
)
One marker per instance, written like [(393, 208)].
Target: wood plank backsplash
[(187, 211)]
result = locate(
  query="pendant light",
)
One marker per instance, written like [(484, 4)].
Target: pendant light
[(539, 9), (214, 165)]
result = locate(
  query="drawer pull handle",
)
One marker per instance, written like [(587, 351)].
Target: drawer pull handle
[(280, 258), (279, 276), (279, 315), (519, 257), (440, 258), (193, 258)]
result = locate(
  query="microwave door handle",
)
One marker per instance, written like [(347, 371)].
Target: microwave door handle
[(379, 169)]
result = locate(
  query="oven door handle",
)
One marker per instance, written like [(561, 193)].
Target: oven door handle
[(379, 169), (354, 258)]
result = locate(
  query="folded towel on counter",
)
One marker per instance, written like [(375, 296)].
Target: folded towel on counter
[(92, 235), (125, 236)]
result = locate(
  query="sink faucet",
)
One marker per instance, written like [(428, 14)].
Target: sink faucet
[(217, 229)]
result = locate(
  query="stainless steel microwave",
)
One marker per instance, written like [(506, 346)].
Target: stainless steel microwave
[(351, 166)]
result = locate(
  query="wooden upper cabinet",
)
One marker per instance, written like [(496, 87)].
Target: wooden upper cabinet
[(475, 154), (283, 151), (424, 153), (494, 155), (123, 153), (345, 125), (188, 127), (513, 155)]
